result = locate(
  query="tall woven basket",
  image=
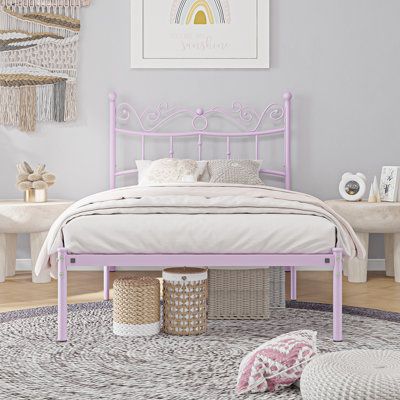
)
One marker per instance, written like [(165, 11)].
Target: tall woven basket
[(185, 301), (239, 294), (136, 306)]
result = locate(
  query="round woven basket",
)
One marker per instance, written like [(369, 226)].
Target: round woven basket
[(136, 306), (185, 301)]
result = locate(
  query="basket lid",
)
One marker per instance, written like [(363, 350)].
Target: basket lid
[(185, 270), (181, 274), (131, 281)]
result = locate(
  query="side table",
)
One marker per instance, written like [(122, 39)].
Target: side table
[(18, 217), (366, 218)]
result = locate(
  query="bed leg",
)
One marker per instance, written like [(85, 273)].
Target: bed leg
[(62, 295), (337, 295), (106, 283), (293, 283)]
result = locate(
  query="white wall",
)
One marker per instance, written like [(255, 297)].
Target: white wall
[(340, 58)]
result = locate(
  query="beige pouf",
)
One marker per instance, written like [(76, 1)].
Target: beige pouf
[(185, 301), (136, 306), (353, 374)]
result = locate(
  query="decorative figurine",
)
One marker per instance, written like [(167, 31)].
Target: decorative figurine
[(374, 196)]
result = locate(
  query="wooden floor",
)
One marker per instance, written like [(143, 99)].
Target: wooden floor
[(19, 292)]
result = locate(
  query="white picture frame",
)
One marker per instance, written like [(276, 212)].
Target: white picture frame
[(389, 184), (200, 34)]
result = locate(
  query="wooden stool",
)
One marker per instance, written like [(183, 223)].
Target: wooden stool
[(366, 218), (18, 217)]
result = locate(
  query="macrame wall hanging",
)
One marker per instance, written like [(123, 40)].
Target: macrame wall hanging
[(39, 42)]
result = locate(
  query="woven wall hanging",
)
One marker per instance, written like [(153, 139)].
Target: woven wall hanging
[(39, 42)]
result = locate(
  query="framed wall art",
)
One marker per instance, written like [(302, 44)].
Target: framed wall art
[(200, 34), (389, 186)]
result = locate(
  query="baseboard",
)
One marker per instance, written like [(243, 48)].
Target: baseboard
[(25, 265)]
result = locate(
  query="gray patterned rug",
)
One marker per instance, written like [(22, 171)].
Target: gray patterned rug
[(94, 364)]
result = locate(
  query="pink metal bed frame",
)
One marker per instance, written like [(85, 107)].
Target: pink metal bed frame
[(250, 123)]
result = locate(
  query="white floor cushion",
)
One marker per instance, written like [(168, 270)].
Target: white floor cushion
[(354, 374)]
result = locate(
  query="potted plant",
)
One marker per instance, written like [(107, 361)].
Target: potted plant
[(34, 182)]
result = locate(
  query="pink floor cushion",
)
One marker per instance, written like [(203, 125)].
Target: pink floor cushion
[(277, 363)]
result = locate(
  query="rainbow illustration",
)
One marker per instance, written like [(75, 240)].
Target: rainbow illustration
[(200, 12)]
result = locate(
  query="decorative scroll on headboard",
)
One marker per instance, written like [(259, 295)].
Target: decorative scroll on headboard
[(38, 61)]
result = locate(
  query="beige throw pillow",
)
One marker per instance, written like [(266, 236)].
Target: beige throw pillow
[(244, 172)]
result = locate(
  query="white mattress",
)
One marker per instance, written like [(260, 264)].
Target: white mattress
[(200, 233)]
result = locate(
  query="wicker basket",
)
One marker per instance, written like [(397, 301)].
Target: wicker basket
[(136, 306), (185, 301), (277, 287), (239, 294)]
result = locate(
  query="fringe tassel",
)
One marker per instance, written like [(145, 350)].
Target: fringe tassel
[(72, 12), (44, 103), (65, 7), (71, 110), (27, 109), (9, 106), (43, 3), (59, 101)]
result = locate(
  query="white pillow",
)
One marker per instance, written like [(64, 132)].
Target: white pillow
[(142, 166), (169, 170)]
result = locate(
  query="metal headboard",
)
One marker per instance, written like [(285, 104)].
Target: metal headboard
[(151, 120)]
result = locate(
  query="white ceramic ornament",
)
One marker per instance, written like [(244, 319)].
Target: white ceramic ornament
[(371, 197), (352, 187), (374, 195), (375, 188)]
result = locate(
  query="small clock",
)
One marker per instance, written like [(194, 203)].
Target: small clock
[(352, 187)]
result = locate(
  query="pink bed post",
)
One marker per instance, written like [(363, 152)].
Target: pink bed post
[(62, 295), (337, 294), (113, 167), (293, 283), (106, 283), (113, 116), (287, 97)]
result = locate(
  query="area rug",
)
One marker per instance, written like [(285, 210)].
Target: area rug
[(95, 364)]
